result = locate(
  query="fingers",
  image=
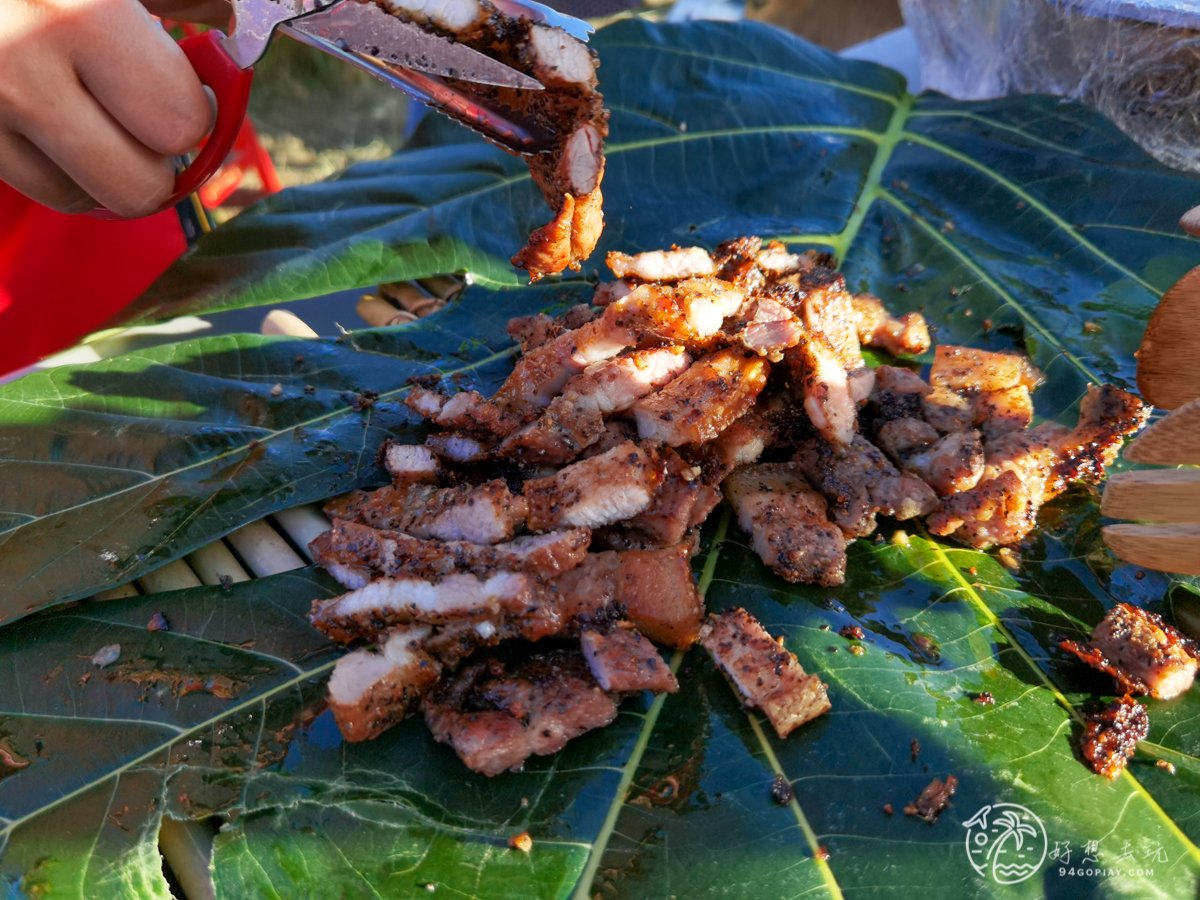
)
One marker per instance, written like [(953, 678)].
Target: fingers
[(33, 174), (94, 99), (144, 81)]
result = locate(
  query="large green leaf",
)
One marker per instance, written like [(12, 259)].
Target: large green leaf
[(1018, 223)]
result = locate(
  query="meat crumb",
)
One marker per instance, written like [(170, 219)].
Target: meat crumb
[(158, 622), (106, 655), (914, 749), (1111, 736), (888, 809), (522, 842), (852, 632), (1167, 767), (933, 800), (781, 791), (984, 698), (822, 852)]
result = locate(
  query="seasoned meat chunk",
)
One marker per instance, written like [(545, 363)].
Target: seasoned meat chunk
[(596, 491), (704, 400), (482, 513), (764, 672), (622, 660), (496, 716), (1142, 652), (819, 376), (675, 264), (905, 336), (788, 523), (372, 689), (410, 462), (859, 482), (1111, 736)]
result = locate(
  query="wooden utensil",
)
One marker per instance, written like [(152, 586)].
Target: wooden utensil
[(1165, 503)]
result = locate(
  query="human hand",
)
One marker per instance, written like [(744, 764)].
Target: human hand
[(95, 99)]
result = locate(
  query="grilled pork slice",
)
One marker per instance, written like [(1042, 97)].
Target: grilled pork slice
[(947, 463), (788, 523), (690, 312), (765, 673), (372, 689), (905, 336), (675, 264), (394, 553), (820, 378), (1110, 737), (575, 419), (410, 462), (386, 602), (970, 386), (703, 401), (682, 502), (859, 483), (897, 393), (622, 660), (827, 310), (596, 491), (496, 716), (1025, 469), (654, 589), (485, 513), (768, 328), (1142, 652), (458, 448)]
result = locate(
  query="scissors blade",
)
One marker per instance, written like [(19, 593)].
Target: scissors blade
[(364, 28)]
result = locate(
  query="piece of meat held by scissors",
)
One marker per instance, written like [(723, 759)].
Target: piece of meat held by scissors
[(560, 130)]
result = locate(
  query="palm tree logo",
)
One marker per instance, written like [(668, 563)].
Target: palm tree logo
[(1006, 842)]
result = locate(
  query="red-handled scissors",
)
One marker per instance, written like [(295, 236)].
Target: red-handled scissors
[(397, 51)]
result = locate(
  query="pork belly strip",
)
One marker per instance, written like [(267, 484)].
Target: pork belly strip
[(410, 462), (765, 673), (387, 602), (485, 513), (675, 264), (1142, 652), (495, 716), (703, 401), (575, 419), (594, 492), (394, 553), (371, 689), (788, 523), (682, 502), (859, 483), (622, 660)]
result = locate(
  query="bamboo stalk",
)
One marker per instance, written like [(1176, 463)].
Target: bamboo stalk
[(263, 550), (302, 524), (217, 560), (171, 577)]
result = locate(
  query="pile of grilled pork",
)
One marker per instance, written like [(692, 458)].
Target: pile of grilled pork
[(514, 578)]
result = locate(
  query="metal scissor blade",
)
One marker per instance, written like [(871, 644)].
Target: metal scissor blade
[(539, 12), (363, 29)]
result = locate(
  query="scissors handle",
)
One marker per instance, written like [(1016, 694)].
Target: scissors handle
[(231, 84)]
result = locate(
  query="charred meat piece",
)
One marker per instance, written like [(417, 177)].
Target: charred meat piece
[(1111, 736), (764, 672), (703, 401), (737, 262), (596, 491), (788, 523), (485, 513), (458, 449), (496, 716), (980, 387), (932, 800), (372, 689), (897, 393), (690, 312), (1142, 652), (622, 660), (675, 264), (876, 327), (859, 482), (386, 602), (575, 419), (947, 463), (768, 328), (394, 553)]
